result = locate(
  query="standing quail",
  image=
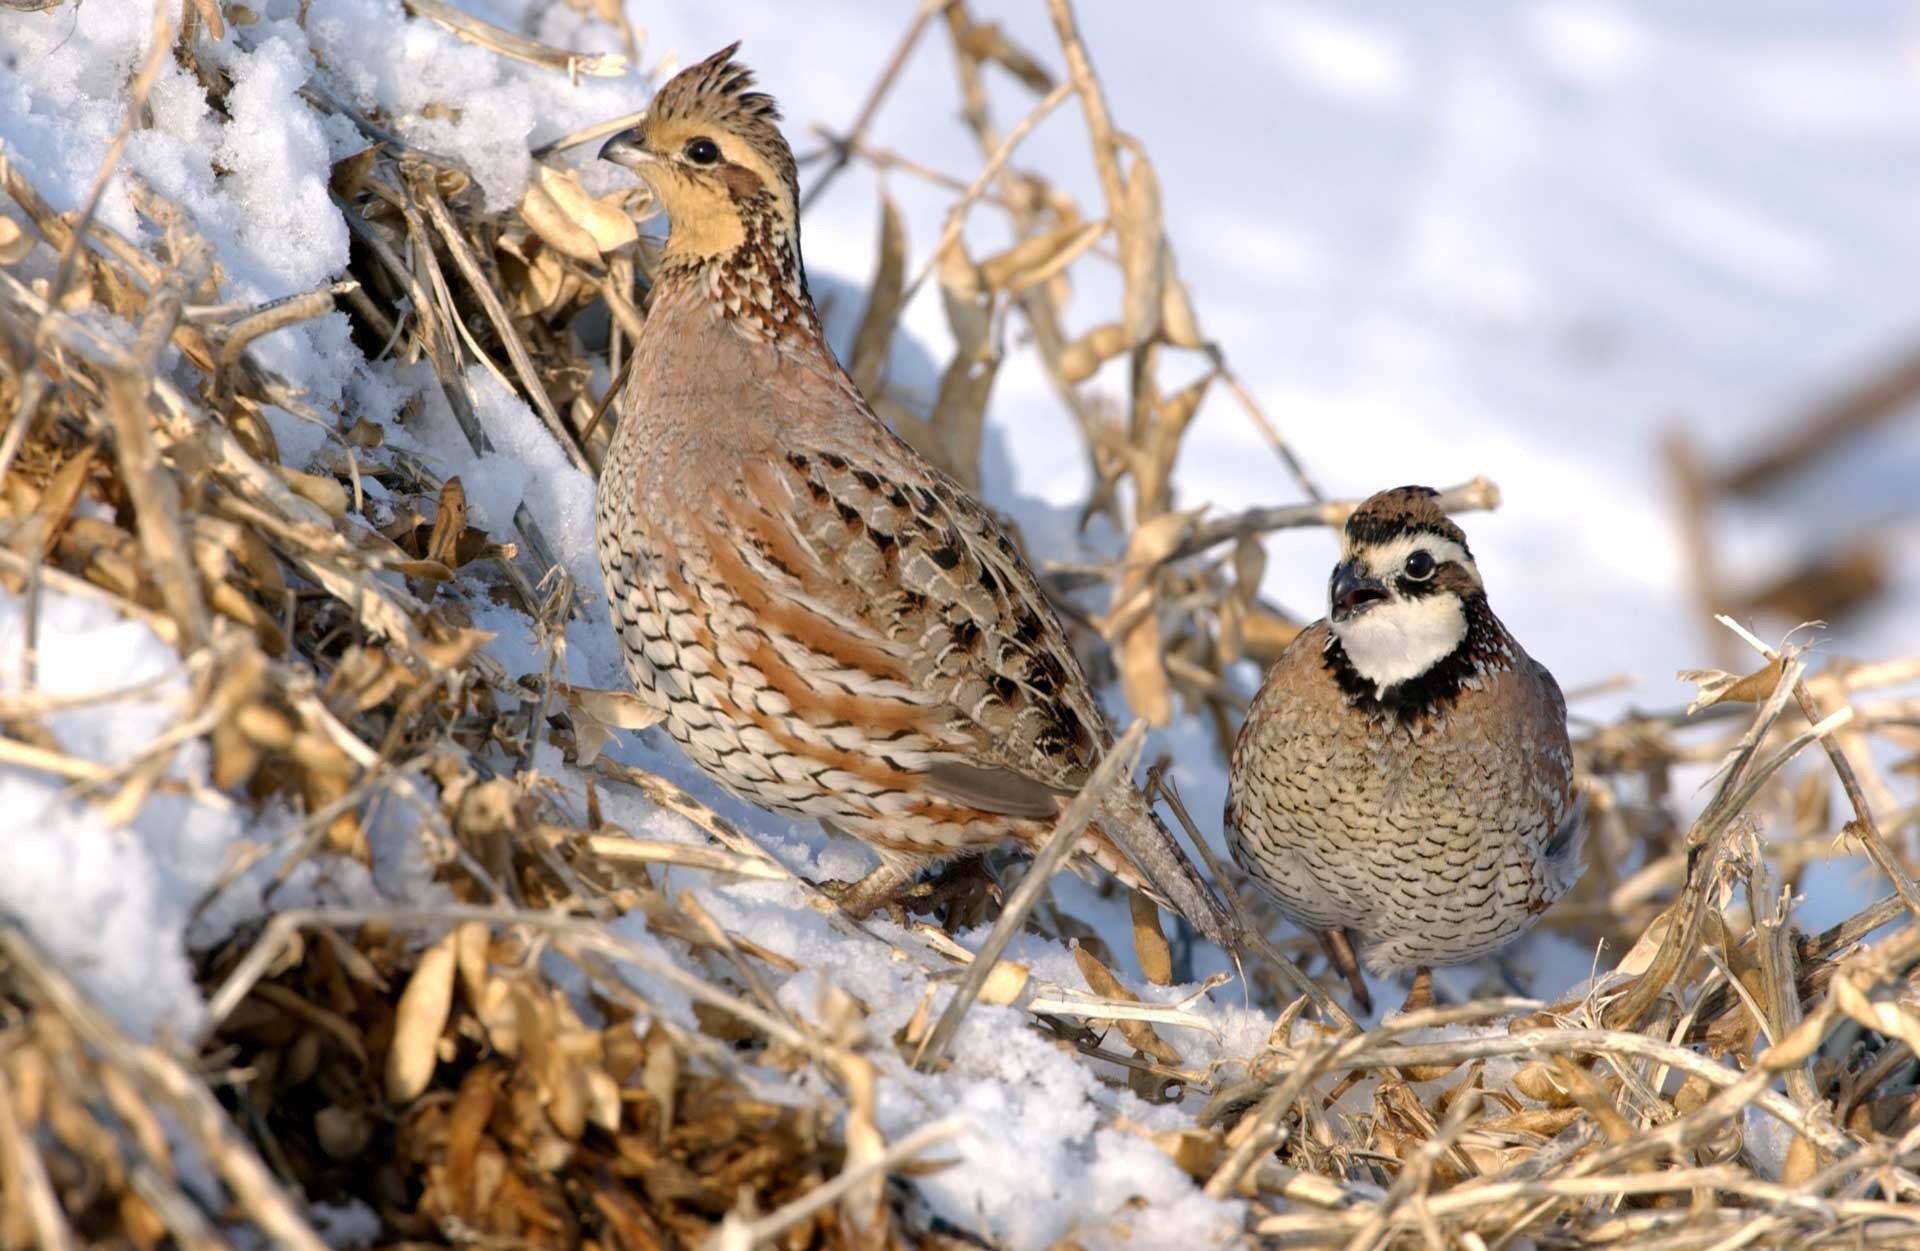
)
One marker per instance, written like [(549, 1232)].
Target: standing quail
[(831, 627), (1403, 779)]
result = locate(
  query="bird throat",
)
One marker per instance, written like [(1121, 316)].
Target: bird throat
[(1438, 683), (760, 287)]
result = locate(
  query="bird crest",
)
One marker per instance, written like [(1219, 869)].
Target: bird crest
[(1401, 511)]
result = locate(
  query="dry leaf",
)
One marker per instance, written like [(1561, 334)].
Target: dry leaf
[(1143, 672), (1158, 537), (1197, 1152), (1004, 983), (958, 420), (316, 489), (875, 337), (1719, 687), (15, 243), (596, 714), (1893, 1018), (418, 1021), (556, 226), (988, 42), (1179, 325), (449, 521), (1081, 358), (1149, 944), (1140, 1035), (1039, 257), (349, 172), (606, 219), (966, 304), (1141, 251)]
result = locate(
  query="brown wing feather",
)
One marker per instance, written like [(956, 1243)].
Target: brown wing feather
[(1000, 791), (973, 630)]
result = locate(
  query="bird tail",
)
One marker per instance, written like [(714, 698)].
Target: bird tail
[(1565, 852), (1129, 841)]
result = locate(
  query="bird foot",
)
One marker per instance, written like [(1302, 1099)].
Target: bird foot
[(881, 888), (963, 895)]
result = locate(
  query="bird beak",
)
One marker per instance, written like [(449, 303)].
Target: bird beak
[(1353, 590), (627, 149)]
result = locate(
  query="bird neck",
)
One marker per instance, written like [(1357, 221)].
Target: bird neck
[(1484, 647), (759, 287)]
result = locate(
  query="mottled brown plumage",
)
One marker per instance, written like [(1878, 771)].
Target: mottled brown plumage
[(832, 628), (1404, 773)]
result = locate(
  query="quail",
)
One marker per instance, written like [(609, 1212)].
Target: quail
[(1403, 780), (830, 626)]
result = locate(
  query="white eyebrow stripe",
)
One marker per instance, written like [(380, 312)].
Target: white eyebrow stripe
[(1383, 558)]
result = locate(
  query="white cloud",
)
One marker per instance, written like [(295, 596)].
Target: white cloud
[(1336, 55)]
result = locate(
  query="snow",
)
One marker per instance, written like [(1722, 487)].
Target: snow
[(1527, 245), (90, 894)]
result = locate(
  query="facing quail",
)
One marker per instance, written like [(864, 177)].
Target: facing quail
[(1403, 780), (831, 627)]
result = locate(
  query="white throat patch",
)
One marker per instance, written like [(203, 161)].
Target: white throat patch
[(1402, 638)]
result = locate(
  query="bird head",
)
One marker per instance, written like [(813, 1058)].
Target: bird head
[(712, 152), (1399, 598)]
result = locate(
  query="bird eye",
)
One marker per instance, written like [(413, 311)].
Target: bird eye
[(1420, 566), (702, 151)]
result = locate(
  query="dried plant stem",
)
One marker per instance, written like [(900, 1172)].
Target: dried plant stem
[(1106, 156), (463, 256), (1477, 495), (435, 319), (1545, 1042), (888, 159), (1266, 1133), (1270, 432), (315, 92), (1705, 842), (1478, 1198), (26, 1175), (277, 315), (1037, 303), (889, 74), (587, 134), (1863, 826), (155, 496), (1060, 844), (1881, 394), (1778, 971), (510, 44), (649, 851), (156, 507), (957, 215), (738, 1235)]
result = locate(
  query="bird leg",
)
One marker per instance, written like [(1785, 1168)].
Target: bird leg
[(861, 898), (1339, 948), (1420, 994)]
